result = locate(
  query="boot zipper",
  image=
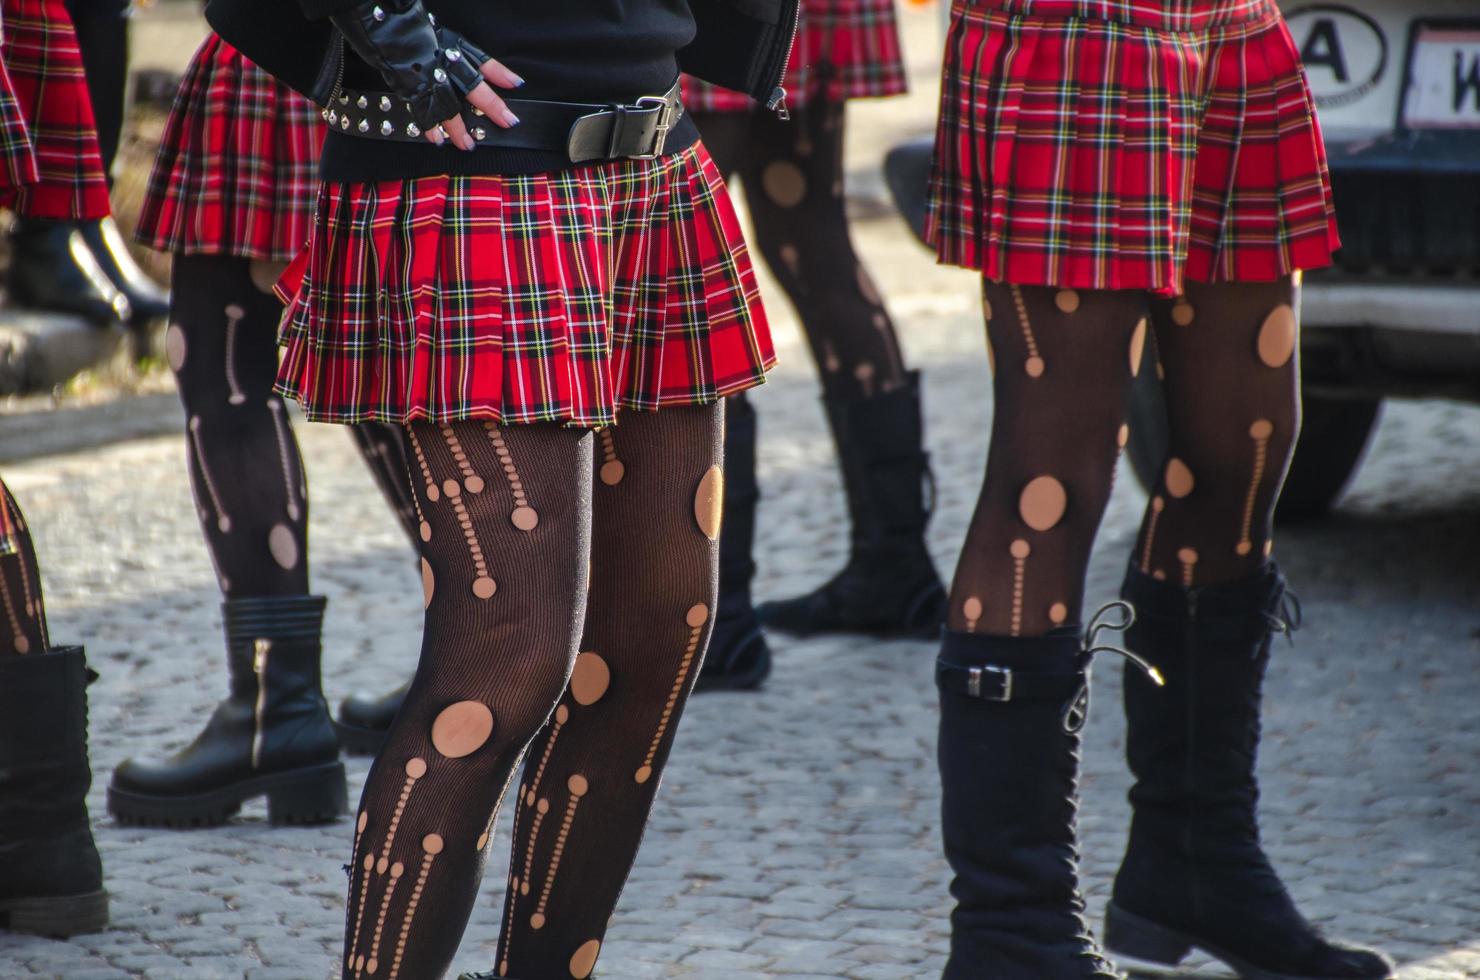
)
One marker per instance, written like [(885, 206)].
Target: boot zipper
[(1190, 764), (260, 652)]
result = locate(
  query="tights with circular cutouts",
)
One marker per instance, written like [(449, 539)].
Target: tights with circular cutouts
[(569, 580), (251, 493), (1063, 362), (24, 628)]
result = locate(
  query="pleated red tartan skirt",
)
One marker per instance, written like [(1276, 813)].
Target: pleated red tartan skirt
[(17, 160), (40, 55), (1127, 144), (556, 297), (235, 173), (845, 49)]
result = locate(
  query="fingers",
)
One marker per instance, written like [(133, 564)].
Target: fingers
[(483, 98), (457, 131), (498, 75), (486, 101)]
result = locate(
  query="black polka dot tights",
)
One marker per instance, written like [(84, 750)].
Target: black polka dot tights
[(250, 492), (570, 581), (792, 172), (1063, 361), (24, 627)]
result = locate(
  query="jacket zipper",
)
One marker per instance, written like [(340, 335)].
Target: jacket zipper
[(260, 652), (335, 58), (338, 72), (777, 100)]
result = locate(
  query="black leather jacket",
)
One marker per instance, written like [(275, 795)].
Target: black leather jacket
[(739, 44)]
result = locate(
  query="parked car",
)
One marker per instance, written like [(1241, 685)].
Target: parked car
[(1397, 88)]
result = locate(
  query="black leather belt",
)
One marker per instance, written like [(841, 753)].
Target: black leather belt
[(581, 131)]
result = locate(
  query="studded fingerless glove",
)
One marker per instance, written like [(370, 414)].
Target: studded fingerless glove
[(431, 68)]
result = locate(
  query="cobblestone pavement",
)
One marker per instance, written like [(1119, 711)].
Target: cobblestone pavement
[(795, 834)]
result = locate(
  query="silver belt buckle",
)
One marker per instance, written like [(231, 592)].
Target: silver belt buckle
[(668, 113), (974, 683)]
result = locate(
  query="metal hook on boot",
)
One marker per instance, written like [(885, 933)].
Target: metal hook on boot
[(1076, 713), (1289, 614)]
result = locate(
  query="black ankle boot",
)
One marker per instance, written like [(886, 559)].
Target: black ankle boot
[(271, 737), (365, 718), (147, 301), (889, 586), (1194, 873), (52, 268), (51, 880), (738, 657), (1011, 709)]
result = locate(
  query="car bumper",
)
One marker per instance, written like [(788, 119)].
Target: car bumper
[(1420, 153), (1425, 307), (1374, 339)]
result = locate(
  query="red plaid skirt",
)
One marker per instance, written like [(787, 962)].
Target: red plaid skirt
[(17, 160), (40, 54), (1125, 144), (845, 49), (236, 164), (562, 297)]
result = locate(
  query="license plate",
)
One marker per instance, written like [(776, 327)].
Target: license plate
[(1443, 77)]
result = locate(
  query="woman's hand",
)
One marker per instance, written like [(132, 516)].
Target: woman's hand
[(481, 95), (431, 68)]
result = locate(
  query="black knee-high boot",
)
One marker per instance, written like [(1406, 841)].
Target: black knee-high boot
[(271, 736), (1010, 713), (738, 657), (51, 880), (1194, 873), (889, 586)]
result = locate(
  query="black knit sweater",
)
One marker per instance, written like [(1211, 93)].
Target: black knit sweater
[(597, 51)]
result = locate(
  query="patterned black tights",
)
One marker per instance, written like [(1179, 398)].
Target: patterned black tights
[(245, 468), (24, 629), (515, 521), (793, 178), (1063, 363)]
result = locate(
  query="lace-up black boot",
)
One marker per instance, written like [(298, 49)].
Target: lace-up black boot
[(51, 880), (889, 586), (1010, 713), (1194, 873)]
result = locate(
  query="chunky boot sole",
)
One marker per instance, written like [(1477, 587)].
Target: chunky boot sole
[(58, 916), (356, 740), (1140, 946), (314, 794)]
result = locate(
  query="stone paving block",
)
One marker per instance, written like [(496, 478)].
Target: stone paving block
[(716, 961), (795, 834)]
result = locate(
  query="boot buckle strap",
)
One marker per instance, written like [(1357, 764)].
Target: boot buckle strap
[(1003, 681)]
